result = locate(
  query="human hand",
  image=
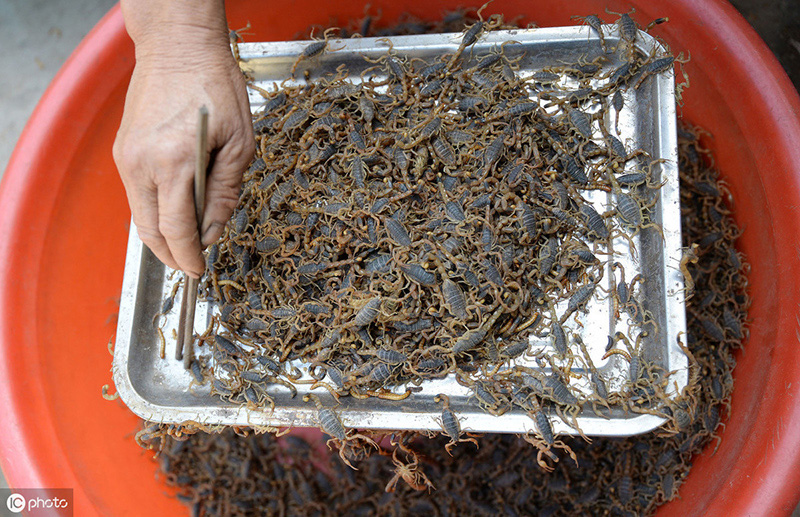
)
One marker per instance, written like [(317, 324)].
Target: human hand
[(156, 144)]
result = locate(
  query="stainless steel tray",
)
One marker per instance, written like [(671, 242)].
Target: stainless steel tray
[(161, 390)]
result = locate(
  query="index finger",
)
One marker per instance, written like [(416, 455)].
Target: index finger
[(177, 222)]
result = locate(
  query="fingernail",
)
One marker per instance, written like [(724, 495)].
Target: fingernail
[(212, 228)]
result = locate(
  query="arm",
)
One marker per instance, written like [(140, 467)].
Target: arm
[(183, 61)]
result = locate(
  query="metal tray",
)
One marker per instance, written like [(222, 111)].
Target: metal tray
[(161, 390)]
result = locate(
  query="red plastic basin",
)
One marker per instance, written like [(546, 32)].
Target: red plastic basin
[(64, 218)]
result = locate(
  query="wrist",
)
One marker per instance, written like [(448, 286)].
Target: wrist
[(175, 27), (209, 56)]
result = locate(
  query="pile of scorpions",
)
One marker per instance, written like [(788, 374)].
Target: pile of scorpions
[(426, 225)]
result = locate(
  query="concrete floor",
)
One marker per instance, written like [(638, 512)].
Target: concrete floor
[(778, 24), (37, 36)]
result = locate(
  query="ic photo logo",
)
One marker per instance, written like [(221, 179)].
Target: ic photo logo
[(15, 503), (36, 502)]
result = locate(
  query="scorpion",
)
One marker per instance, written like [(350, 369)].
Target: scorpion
[(330, 424), (451, 427), (313, 49)]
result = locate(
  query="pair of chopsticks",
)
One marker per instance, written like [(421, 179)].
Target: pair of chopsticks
[(183, 349)]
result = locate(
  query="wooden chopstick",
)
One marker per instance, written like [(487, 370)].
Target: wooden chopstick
[(183, 347)]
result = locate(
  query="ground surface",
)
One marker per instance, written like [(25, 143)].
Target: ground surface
[(37, 36)]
